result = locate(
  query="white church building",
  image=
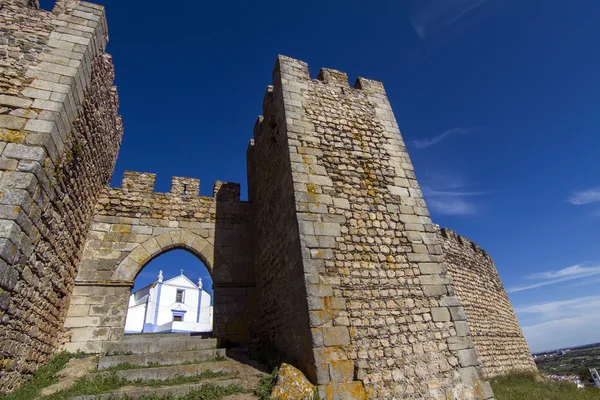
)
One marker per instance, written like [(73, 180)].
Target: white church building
[(175, 305)]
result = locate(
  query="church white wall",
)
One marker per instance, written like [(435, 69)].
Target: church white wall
[(152, 309), (135, 319), (168, 302), (206, 316)]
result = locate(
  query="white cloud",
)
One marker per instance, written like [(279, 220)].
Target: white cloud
[(421, 144), (585, 197), (552, 277), (451, 193), (451, 201), (562, 333), (431, 17), (563, 308), (585, 282), (571, 323), (572, 271), (451, 206)]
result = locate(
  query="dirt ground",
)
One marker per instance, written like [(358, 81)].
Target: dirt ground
[(75, 369), (249, 371), (240, 397)]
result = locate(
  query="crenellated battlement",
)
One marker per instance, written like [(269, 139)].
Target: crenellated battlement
[(268, 98), (185, 186), (227, 191), (144, 182), (294, 75), (289, 69), (463, 242), (492, 322), (138, 182), (333, 77)]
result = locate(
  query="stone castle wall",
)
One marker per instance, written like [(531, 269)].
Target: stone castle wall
[(134, 224), (382, 316), (59, 138), (492, 320), (333, 259), (281, 290)]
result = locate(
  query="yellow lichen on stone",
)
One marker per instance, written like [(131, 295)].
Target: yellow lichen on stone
[(122, 228), (12, 136), (351, 391), (292, 385)]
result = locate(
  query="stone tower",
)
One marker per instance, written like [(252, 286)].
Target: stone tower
[(349, 271), (59, 138)]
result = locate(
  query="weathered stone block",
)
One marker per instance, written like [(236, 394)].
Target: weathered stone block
[(341, 371), (291, 384), (468, 357), (430, 268), (451, 301), (14, 101), (343, 391), (336, 336), (458, 313), (327, 228), (440, 314), (12, 122), (459, 342), (9, 276), (462, 328)]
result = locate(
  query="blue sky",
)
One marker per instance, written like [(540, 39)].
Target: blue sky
[(496, 99)]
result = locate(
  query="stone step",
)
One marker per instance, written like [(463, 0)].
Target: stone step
[(163, 373), (144, 337), (157, 345), (171, 358), (179, 390)]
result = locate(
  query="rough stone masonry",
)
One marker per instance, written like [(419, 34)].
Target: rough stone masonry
[(333, 259), (348, 227), (60, 135)]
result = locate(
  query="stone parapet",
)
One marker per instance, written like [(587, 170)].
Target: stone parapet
[(492, 321), (134, 224)]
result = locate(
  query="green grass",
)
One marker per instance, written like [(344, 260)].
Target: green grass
[(208, 391), (108, 383), (531, 386), (265, 386), (123, 367), (45, 376)]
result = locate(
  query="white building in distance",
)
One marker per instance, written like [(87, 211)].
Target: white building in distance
[(175, 305)]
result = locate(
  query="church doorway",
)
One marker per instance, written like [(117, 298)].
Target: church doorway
[(173, 293)]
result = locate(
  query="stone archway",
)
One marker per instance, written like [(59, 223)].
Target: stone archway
[(137, 259), (99, 307), (134, 225)]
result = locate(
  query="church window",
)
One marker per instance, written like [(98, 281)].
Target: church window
[(179, 296), (177, 318)]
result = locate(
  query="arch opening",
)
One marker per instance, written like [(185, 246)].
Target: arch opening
[(173, 292)]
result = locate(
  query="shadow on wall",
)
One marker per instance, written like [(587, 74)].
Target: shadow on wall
[(234, 290)]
